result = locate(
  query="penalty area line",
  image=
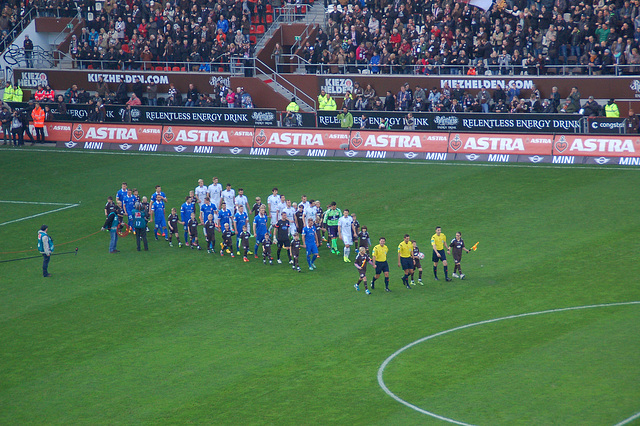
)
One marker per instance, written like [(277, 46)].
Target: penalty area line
[(629, 420), (39, 214), (334, 160), (35, 202)]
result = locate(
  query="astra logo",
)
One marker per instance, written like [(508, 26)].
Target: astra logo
[(293, 152), (235, 150), (179, 148), (536, 159), (601, 160)]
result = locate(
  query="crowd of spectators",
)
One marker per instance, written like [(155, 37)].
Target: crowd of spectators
[(140, 35), (11, 13), (447, 37), (448, 99)]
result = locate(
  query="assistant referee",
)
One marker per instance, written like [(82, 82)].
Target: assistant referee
[(379, 257), (405, 259)]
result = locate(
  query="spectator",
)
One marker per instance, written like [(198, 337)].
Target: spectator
[(152, 94), (409, 122), (633, 123), (573, 101), (134, 100), (192, 96), (591, 108)]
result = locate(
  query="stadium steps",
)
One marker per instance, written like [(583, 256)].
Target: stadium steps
[(280, 89)]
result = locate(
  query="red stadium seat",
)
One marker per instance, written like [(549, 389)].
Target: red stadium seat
[(167, 69), (175, 69), (183, 68), (260, 29), (269, 8), (252, 29), (221, 69), (90, 66), (303, 9), (159, 69), (254, 19), (253, 39), (269, 19)]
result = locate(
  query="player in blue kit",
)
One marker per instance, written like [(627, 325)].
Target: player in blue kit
[(157, 210), (206, 209), (224, 216), (260, 227), (185, 215), (310, 242), (239, 221), (159, 192), (122, 192), (128, 203)]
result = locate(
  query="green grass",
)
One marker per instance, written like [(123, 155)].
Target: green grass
[(178, 336)]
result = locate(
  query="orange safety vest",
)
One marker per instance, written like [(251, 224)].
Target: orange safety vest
[(38, 117)]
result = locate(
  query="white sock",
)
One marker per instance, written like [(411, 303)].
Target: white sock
[(347, 251)]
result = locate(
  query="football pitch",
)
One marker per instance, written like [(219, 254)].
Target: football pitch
[(177, 336)]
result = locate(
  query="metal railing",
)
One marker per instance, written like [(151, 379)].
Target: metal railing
[(16, 56), (461, 70), (277, 78)]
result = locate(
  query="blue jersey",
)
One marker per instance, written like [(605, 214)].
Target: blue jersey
[(155, 194), (158, 210), (261, 224), (241, 220), (129, 203), (225, 217), (309, 235), (121, 194), (206, 210), (185, 212)]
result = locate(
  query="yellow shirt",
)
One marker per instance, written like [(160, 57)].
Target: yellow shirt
[(380, 253), (405, 249), (439, 241)]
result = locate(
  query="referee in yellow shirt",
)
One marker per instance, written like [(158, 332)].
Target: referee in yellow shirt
[(379, 257), (405, 259), (438, 241)]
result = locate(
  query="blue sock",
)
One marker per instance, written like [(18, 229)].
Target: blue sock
[(309, 260), (255, 249), (186, 237), (313, 259)]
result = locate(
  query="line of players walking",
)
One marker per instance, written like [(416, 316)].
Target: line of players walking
[(292, 227)]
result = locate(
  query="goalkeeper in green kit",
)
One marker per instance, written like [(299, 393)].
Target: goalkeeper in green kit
[(331, 218)]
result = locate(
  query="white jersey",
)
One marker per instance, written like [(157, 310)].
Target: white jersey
[(345, 229), (201, 192), (306, 204), (310, 212), (290, 211), (273, 201), (241, 200), (229, 197), (215, 191)]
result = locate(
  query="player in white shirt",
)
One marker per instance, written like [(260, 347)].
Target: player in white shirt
[(273, 201), (201, 192), (290, 210), (310, 212), (215, 192), (241, 200), (345, 232), (304, 202), (229, 197)]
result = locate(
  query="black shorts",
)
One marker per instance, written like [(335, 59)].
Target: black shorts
[(363, 274), (406, 262), (382, 267), (284, 243), (443, 256), (416, 263), (457, 257), (333, 231)]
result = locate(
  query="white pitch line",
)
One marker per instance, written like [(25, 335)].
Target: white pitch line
[(35, 202), (336, 159), (39, 214), (629, 420), (462, 327)]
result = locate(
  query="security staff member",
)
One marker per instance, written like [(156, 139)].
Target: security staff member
[(293, 106), (611, 109)]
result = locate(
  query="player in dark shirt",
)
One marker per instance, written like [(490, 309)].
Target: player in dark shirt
[(361, 265), (299, 215), (294, 252), (256, 207), (457, 245), (109, 207), (323, 226), (210, 233), (363, 239), (416, 263), (227, 240), (266, 249), (281, 232), (192, 226), (244, 242), (355, 231), (172, 221)]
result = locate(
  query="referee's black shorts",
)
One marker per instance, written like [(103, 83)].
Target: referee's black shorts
[(407, 263), (382, 267)]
